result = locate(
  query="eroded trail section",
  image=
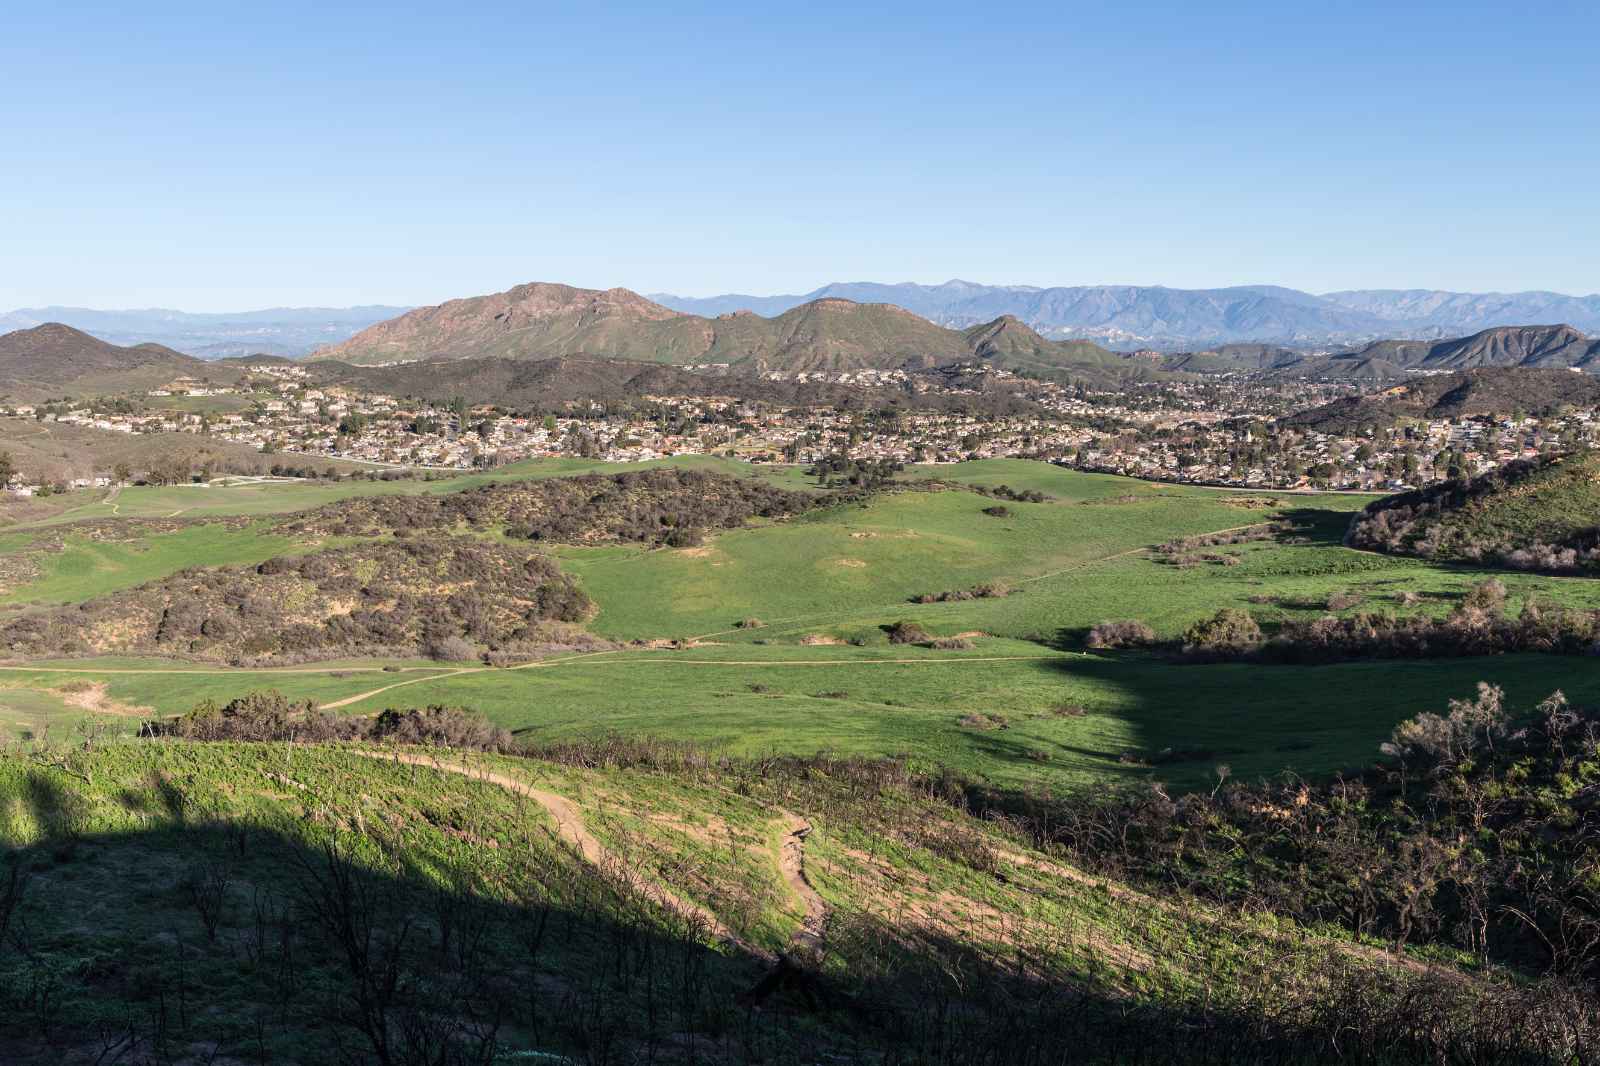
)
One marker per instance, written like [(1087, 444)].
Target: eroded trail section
[(792, 863), (570, 828)]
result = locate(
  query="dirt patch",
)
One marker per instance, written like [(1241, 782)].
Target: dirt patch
[(92, 697), (817, 639), (697, 553), (851, 564)]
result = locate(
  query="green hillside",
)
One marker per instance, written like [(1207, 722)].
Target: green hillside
[(1541, 514), (207, 901)]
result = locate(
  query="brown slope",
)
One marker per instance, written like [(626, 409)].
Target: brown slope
[(543, 321), (834, 334), (534, 321), (1503, 346), (1529, 346)]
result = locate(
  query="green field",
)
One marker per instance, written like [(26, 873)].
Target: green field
[(1021, 705), (86, 567)]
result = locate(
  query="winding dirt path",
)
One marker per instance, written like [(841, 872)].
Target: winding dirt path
[(792, 864), (570, 827)]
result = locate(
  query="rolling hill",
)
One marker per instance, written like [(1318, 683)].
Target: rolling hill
[(1538, 514), (55, 360), (543, 321), (286, 331), (1557, 346)]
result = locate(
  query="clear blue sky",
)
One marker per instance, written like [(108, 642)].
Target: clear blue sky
[(293, 154)]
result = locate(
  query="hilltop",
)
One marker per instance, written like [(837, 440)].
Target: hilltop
[(544, 321), (55, 360), (1539, 514)]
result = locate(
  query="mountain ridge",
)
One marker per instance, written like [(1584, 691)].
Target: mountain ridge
[(1187, 319), (542, 320)]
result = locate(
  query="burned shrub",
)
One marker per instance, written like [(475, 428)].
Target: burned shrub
[(907, 632), (1126, 634)]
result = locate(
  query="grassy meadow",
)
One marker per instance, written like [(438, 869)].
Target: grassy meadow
[(1021, 705)]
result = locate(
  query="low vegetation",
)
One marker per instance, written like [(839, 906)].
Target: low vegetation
[(671, 507), (1535, 514), (437, 595)]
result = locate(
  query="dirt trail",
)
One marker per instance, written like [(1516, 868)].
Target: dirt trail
[(570, 827), (792, 863)]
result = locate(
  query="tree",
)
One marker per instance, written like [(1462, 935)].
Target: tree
[(8, 468)]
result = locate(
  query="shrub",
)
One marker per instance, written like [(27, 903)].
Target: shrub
[(1127, 634), (451, 650), (952, 644), (907, 632), (1231, 629), (1343, 601), (1487, 596), (998, 511)]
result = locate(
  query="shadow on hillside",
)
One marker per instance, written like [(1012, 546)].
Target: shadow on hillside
[(335, 941), (211, 936), (1261, 719), (1318, 527)]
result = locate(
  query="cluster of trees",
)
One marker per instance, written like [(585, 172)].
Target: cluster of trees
[(1480, 832), (841, 471), (669, 507), (1479, 625), (269, 715), (988, 590), (435, 595), (1006, 492), (1186, 552)]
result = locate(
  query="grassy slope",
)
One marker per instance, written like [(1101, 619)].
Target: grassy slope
[(86, 567), (112, 835), (1549, 506), (89, 567)]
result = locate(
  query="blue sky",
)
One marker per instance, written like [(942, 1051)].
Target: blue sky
[(200, 158)]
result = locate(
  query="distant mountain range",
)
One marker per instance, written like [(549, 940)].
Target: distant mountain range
[(543, 321), (1140, 316), (286, 331), (1527, 347), (1118, 317)]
